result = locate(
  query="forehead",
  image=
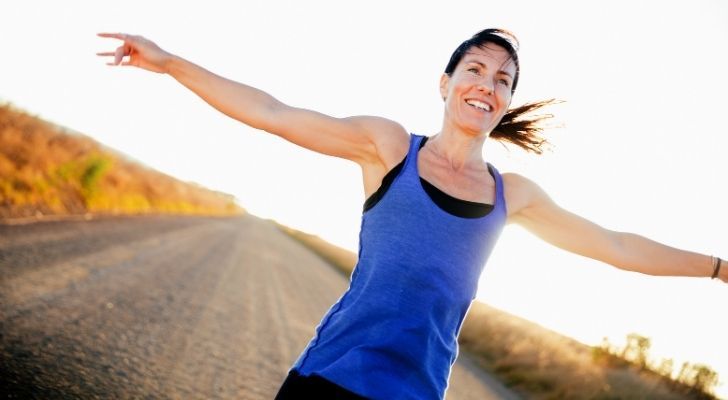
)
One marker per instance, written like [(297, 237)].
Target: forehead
[(491, 55)]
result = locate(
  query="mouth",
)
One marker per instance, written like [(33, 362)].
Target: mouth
[(477, 104)]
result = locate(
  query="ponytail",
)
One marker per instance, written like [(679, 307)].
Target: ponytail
[(524, 130)]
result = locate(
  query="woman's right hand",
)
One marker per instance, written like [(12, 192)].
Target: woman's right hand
[(142, 53)]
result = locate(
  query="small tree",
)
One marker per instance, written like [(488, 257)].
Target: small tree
[(665, 367), (704, 378), (637, 349), (699, 377)]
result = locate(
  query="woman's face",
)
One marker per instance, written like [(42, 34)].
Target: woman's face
[(478, 93)]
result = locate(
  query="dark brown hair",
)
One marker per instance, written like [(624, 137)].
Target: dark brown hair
[(516, 126)]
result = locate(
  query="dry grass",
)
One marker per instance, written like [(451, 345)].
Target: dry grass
[(532, 360), (47, 170)]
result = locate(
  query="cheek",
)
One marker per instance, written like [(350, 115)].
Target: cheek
[(462, 82), (504, 96), (504, 91)]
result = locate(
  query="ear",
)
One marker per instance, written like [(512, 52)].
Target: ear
[(444, 81)]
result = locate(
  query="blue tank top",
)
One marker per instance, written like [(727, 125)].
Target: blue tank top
[(393, 333)]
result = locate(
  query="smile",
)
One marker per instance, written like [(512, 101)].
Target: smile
[(479, 105)]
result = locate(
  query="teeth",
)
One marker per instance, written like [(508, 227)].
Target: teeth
[(479, 104)]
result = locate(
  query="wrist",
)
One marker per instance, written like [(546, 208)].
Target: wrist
[(172, 64)]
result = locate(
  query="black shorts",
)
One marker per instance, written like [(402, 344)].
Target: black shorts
[(299, 387)]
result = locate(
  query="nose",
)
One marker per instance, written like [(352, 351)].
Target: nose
[(483, 86)]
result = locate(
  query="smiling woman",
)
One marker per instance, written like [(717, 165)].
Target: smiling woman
[(434, 213)]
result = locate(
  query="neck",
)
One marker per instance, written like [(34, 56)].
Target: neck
[(458, 149)]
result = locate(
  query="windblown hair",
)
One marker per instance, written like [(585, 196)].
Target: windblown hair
[(518, 126)]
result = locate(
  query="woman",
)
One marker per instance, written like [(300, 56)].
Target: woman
[(433, 213)]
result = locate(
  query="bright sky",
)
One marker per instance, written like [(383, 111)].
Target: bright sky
[(642, 148)]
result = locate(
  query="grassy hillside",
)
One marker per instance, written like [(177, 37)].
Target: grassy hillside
[(47, 170), (541, 364)]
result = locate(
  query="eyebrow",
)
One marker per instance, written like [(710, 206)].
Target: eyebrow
[(485, 66)]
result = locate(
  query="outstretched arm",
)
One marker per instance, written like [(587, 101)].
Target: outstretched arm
[(530, 207), (357, 138)]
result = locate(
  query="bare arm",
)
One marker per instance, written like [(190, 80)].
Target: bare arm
[(532, 208), (358, 138)]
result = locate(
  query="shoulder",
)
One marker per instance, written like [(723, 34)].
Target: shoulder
[(391, 140), (520, 192)]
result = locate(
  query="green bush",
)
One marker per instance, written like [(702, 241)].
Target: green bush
[(96, 167)]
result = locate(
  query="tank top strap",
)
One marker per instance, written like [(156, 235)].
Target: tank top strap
[(500, 198), (414, 147), (410, 164)]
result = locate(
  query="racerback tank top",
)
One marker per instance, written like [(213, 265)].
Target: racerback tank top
[(393, 333)]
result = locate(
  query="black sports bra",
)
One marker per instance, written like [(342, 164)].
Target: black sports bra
[(450, 204)]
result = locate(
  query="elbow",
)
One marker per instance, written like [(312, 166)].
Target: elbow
[(625, 253), (263, 112), (617, 251), (276, 118), (266, 116)]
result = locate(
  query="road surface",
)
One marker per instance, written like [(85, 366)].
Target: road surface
[(165, 308)]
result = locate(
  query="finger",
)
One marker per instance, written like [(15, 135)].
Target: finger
[(120, 36), (119, 54), (121, 64)]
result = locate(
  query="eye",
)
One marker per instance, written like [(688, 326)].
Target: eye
[(474, 70), (504, 82)]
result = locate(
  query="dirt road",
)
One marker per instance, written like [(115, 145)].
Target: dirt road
[(164, 307)]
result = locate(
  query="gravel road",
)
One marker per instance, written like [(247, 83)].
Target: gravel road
[(165, 308)]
